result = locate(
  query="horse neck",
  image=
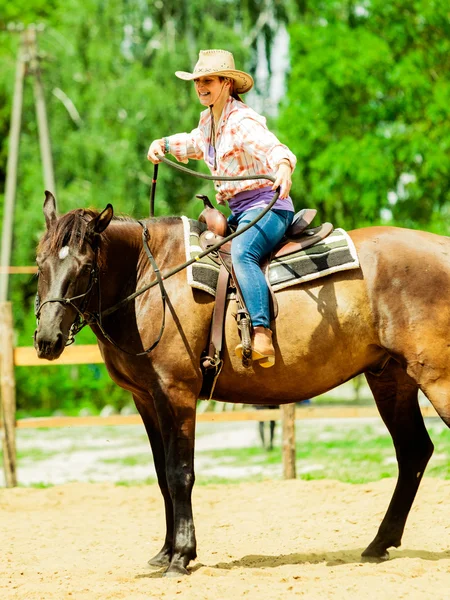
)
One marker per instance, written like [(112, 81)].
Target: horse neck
[(118, 258), (124, 262)]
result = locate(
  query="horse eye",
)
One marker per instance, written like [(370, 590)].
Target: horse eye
[(39, 274)]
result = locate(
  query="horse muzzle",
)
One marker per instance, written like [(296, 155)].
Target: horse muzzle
[(49, 345)]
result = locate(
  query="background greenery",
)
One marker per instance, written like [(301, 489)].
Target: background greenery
[(365, 111), (349, 450)]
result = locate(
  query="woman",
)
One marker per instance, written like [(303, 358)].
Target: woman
[(234, 141)]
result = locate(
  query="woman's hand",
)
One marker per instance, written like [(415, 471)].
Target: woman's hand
[(156, 148), (283, 179)]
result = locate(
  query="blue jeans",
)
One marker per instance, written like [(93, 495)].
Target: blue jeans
[(247, 251)]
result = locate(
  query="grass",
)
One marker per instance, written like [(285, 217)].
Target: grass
[(127, 461), (353, 451), (355, 457)]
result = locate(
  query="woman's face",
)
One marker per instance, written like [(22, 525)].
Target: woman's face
[(210, 88)]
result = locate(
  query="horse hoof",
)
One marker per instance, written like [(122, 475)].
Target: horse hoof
[(375, 558), (158, 561), (176, 572)]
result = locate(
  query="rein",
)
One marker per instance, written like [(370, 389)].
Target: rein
[(97, 318), (210, 249)]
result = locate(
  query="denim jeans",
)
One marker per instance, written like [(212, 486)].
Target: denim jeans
[(247, 251)]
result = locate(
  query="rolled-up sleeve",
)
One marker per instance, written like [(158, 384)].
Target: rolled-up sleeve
[(264, 145), (186, 145)]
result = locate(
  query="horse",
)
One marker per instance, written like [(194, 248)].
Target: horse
[(388, 319)]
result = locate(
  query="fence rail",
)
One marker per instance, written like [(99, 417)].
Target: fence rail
[(25, 356), (17, 270), (308, 412)]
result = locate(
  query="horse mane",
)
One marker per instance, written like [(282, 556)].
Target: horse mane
[(70, 228)]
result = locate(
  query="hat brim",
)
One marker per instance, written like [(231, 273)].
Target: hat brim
[(244, 81)]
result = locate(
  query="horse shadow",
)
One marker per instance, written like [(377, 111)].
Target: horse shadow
[(331, 559)]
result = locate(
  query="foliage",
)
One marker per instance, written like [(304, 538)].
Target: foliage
[(365, 112), (108, 74)]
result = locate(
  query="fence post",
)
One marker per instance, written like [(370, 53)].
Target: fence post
[(41, 111), (8, 394), (11, 172), (288, 422)]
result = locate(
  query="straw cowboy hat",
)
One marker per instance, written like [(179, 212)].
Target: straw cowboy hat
[(218, 62)]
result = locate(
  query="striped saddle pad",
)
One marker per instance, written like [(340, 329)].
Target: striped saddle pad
[(335, 253)]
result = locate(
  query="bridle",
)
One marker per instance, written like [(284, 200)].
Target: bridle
[(80, 320), (84, 318)]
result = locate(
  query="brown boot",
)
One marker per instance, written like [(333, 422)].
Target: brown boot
[(263, 350), (262, 347)]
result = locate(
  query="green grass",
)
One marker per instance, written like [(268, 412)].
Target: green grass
[(349, 459), (128, 461), (34, 454), (353, 452), (131, 482), (358, 453), (40, 486)]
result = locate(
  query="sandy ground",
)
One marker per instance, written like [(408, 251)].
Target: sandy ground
[(269, 540)]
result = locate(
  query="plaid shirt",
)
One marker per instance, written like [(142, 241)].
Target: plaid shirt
[(244, 146)]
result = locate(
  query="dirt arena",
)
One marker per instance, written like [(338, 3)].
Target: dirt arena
[(270, 540)]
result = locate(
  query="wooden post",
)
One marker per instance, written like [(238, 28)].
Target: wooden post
[(8, 394), (41, 111), (288, 423), (11, 172)]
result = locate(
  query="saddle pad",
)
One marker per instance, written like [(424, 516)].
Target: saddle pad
[(335, 253)]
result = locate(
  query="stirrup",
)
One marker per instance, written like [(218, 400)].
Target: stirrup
[(263, 361)]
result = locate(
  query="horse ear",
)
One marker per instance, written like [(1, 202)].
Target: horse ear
[(49, 209), (100, 222)]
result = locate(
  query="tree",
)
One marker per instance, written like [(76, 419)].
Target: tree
[(366, 112), (108, 73)]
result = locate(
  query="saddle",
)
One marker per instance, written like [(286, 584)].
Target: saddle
[(298, 237)]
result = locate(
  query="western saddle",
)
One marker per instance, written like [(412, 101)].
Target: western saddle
[(298, 237)]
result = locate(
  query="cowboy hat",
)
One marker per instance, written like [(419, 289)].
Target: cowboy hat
[(221, 63)]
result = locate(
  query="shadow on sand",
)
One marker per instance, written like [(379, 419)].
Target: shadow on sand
[(332, 559)]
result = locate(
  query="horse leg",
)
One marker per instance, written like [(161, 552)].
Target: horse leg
[(176, 414), (395, 393), (147, 411), (272, 434), (261, 433)]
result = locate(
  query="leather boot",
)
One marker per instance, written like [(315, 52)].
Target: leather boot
[(262, 347), (263, 350)]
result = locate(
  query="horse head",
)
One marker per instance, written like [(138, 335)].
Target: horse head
[(67, 271)]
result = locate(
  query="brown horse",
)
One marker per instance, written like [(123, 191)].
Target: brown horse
[(389, 320)]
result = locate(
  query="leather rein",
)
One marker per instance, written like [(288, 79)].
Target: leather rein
[(84, 318)]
